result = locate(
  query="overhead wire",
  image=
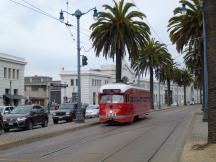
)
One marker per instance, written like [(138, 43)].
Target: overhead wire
[(34, 9)]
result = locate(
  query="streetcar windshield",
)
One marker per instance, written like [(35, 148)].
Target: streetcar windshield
[(112, 99)]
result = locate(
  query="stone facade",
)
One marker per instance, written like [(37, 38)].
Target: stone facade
[(11, 80), (38, 90)]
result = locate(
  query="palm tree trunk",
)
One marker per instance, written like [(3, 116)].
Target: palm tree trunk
[(169, 96), (210, 14), (118, 66), (151, 88), (185, 95), (200, 95)]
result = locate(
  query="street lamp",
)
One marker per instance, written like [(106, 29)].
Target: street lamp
[(78, 14), (10, 90), (201, 6), (159, 102)]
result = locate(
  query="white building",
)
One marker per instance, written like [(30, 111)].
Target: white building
[(177, 93), (91, 81), (11, 79)]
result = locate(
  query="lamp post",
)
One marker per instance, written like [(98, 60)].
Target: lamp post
[(159, 102), (78, 14), (10, 90), (205, 67)]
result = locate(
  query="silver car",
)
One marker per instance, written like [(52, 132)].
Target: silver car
[(92, 111), (6, 109)]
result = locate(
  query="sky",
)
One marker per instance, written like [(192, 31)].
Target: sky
[(48, 45)]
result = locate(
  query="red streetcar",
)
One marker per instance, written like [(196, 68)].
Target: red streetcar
[(122, 103)]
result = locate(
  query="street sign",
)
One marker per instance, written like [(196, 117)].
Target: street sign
[(58, 85)]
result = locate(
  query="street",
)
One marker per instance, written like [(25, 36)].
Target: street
[(158, 138)]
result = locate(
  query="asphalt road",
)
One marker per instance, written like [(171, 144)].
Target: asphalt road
[(159, 138)]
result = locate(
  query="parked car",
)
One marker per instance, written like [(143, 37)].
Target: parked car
[(66, 112), (1, 123), (92, 111), (25, 117), (6, 109)]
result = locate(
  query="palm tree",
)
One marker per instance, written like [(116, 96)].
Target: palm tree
[(186, 30), (119, 30), (185, 80), (186, 33), (149, 59), (166, 73), (210, 11)]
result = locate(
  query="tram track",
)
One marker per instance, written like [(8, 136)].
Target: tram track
[(140, 136), (111, 132)]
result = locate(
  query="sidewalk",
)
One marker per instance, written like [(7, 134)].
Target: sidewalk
[(23, 137), (196, 148)]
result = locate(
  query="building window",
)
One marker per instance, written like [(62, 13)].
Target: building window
[(72, 82), (5, 72), (17, 74), (13, 73), (92, 82), (15, 91), (9, 73), (94, 98), (34, 88), (7, 91)]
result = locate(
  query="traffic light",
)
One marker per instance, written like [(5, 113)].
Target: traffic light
[(84, 60)]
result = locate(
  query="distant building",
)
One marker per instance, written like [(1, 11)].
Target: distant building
[(91, 81), (11, 79), (177, 93), (38, 89)]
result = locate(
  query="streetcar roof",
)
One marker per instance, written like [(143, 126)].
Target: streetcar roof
[(119, 86)]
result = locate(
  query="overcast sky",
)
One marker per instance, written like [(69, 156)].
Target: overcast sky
[(47, 45)]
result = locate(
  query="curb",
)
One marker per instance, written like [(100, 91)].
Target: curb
[(45, 136), (188, 136)]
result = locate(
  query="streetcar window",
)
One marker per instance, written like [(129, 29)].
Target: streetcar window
[(117, 99), (106, 99), (112, 99)]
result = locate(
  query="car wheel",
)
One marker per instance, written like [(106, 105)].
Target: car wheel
[(1, 129), (6, 129), (55, 121), (69, 120), (29, 125), (45, 123)]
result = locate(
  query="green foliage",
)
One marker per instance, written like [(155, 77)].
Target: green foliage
[(186, 30), (119, 27)]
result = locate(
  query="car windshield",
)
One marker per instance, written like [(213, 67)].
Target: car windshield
[(1, 109), (112, 98), (67, 106), (92, 107), (21, 110)]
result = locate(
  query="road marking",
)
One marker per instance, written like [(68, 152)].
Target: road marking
[(14, 160)]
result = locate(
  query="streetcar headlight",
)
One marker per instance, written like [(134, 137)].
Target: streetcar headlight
[(111, 111)]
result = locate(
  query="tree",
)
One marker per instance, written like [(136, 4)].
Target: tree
[(185, 80), (119, 30), (165, 70), (150, 56), (186, 30), (210, 14)]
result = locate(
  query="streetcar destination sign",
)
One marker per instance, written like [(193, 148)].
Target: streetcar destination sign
[(58, 85)]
